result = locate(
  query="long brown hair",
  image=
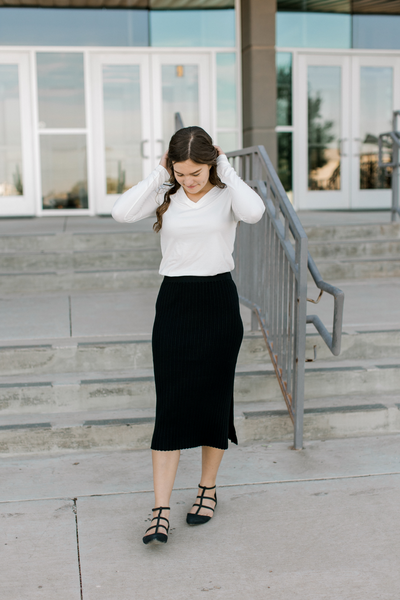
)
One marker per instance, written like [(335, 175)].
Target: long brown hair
[(188, 143)]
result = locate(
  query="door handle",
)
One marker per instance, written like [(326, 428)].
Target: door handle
[(162, 147), (341, 140), (359, 146), (142, 143)]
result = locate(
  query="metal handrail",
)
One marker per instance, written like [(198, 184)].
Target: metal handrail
[(272, 262), (394, 164), (178, 121)]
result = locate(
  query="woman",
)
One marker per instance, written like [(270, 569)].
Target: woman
[(198, 200)]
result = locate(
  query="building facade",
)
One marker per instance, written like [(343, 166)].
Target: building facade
[(89, 92)]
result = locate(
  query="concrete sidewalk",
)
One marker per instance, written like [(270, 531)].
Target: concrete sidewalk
[(320, 523)]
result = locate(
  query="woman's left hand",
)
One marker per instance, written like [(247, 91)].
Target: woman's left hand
[(219, 150)]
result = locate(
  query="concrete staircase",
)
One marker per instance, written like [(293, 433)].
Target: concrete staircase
[(349, 252), (76, 369)]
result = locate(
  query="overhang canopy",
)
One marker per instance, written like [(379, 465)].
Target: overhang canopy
[(153, 4), (355, 7)]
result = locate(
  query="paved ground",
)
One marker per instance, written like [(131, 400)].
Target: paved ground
[(320, 523)]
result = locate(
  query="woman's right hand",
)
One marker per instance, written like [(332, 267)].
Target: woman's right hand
[(164, 161)]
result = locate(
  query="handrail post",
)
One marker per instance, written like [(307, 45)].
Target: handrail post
[(394, 135), (300, 350), (395, 184)]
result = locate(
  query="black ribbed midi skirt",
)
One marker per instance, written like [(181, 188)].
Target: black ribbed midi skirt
[(196, 339)]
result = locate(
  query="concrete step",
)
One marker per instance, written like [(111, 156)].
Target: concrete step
[(368, 231), (372, 345), (69, 356), (142, 258), (71, 392), (66, 392), (66, 356), (78, 280), (78, 242), (353, 249), (353, 269), (123, 429)]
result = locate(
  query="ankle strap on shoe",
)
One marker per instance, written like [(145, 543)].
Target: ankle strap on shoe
[(203, 487), (161, 508)]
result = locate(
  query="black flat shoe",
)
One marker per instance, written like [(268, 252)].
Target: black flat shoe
[(158, 538), (195, 518)]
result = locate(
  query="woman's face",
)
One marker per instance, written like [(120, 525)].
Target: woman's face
[(192, 176)]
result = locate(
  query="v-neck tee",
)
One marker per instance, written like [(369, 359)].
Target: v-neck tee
[(197, 238)]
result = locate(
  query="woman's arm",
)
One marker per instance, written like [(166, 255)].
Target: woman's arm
[(143, 199), (247, 205)]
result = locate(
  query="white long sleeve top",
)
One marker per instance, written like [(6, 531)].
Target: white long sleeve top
[(197, 238)]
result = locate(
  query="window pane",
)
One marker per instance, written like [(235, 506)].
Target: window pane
[(192, 28), (312, 30), (376, 101), (64, 174), (284, 87), (228, 141), (122, 126), (285, 161), (180, 93), (226, 90), (73, 27), (10, 133), (324, 100), (61, 89), (376, 31)]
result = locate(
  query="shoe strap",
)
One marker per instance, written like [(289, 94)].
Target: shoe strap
[(203, 497), (201, 506), (206, 498), (156, 527), (158, 518)]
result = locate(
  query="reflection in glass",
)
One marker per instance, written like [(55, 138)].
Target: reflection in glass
[(376, 93), (192, 28), (312, 30), (180, 93), (23, 26), (122, 126), (376, 31), (64, 173), (285, 160), (61, 89), (227, 141), (10, 133), (226, 90), (324, 100), (284, 87)]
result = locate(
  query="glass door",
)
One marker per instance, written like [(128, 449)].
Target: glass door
[(181, 83), (131, 126), (16, 168), (375, 95), (62, 132), (122, 133), (323, 144)]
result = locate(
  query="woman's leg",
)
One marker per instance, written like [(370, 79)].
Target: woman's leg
[(211, 459), (165, 465)]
